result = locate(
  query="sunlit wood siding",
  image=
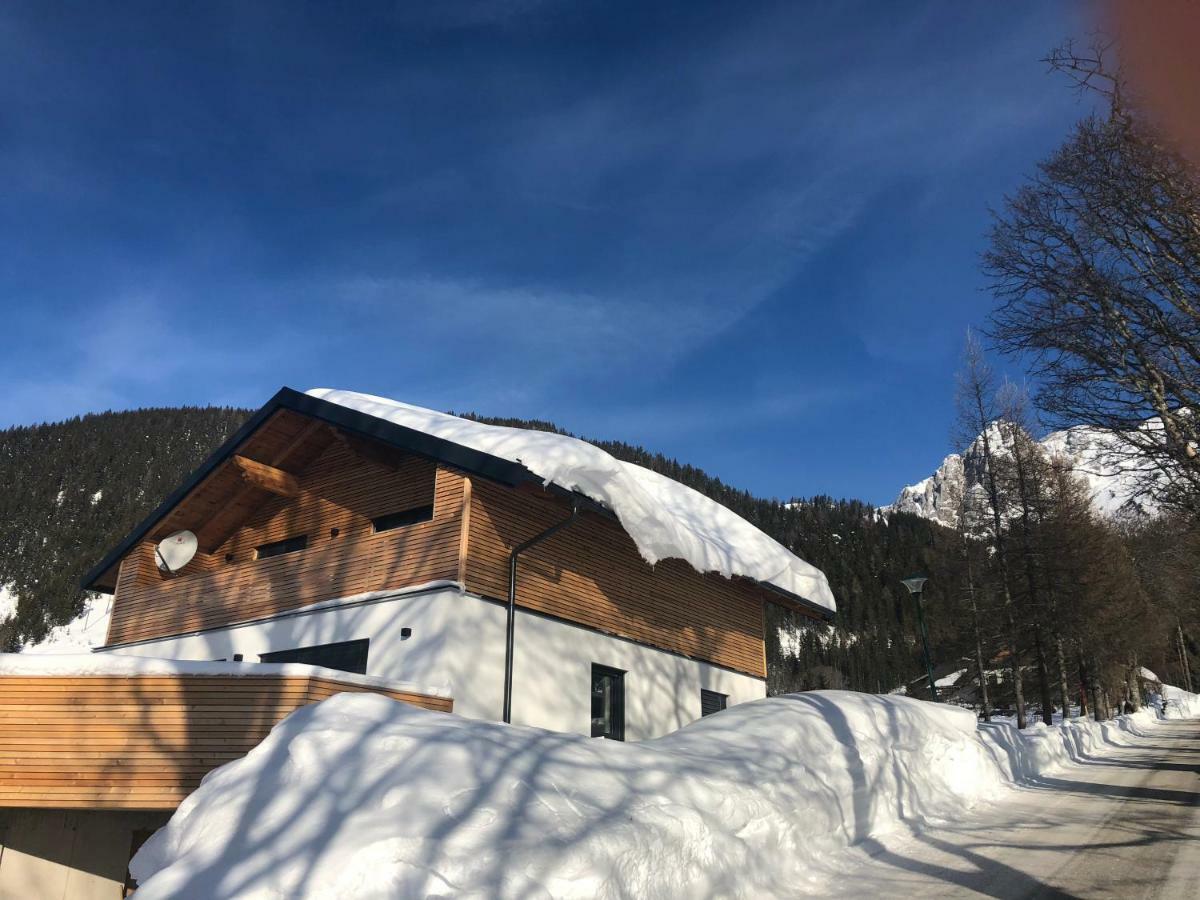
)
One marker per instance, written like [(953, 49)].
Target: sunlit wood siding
[(591, 573), (142, 742), (340, 495)]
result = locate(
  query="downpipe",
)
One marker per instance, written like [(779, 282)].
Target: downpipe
[(511, 625)]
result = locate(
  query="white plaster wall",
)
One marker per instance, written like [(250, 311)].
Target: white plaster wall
[(457, 645), (552, 678)]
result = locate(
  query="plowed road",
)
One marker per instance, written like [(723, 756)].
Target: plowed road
[(1125, 826)]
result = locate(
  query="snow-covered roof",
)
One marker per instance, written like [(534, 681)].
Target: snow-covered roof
[(666, 519)]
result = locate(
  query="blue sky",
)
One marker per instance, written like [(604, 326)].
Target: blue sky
[(745, 235)]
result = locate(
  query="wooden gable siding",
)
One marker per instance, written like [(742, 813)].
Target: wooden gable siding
[(142, 742), (591, 573), (220, 502), (338, 490)]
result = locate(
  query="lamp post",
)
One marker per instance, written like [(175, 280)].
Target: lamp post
[(915, 585)]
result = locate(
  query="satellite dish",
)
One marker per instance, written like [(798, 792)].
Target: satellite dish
[(176, 550)]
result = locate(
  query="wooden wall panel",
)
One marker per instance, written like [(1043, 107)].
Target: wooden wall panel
[(339, 490), (142, 742), (343, 491), (591, 573)]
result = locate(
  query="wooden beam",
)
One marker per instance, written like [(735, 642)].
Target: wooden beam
[(225, 520), (267, 477)]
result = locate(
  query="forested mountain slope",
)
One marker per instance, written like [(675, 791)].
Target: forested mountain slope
[(73, 489), (70, 490)]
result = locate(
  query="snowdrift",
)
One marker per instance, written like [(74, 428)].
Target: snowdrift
[(1181, 704), (666, 519), (360, 796)]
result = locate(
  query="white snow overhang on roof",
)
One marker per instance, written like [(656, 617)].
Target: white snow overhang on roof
[(666, 519)]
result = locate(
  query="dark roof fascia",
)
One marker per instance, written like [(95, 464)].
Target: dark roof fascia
[(821, 612), (215, 459)]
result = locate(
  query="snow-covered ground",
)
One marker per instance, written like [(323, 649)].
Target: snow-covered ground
[(360, 796), (80, 635)]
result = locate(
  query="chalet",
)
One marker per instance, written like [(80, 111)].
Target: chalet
[(507, 574)]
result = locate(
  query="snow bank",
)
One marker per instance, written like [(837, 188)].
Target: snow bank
[(360, 796), (80, 665), (1181, 704), (1040, 750), (665, 518)]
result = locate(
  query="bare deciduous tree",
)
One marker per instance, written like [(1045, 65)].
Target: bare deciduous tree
[(976, 413), (1096, 266)]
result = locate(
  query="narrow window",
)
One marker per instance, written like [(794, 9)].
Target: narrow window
[(346, 656), (404, 517), (712, 702), (277, 548), (608, 703)]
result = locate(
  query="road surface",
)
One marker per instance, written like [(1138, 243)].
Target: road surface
[(1126, 826)]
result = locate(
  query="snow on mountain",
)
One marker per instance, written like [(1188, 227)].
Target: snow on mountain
[(80, 635), (1093, 455), (934, 497), (8, 603)]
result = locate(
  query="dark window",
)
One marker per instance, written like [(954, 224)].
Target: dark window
[(608, 703), (291, 545), (712, 702), (404, 517), (347, 656)]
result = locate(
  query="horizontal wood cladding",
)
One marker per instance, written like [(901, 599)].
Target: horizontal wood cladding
[(340, 493), (217, 505), (591, 573), (142, 742)]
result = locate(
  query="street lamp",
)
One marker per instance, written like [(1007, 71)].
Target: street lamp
[(916, 584)]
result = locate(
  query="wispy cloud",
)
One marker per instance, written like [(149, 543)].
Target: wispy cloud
[(142, 349)]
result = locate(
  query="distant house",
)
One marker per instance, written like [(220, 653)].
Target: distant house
[(503, 568)]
